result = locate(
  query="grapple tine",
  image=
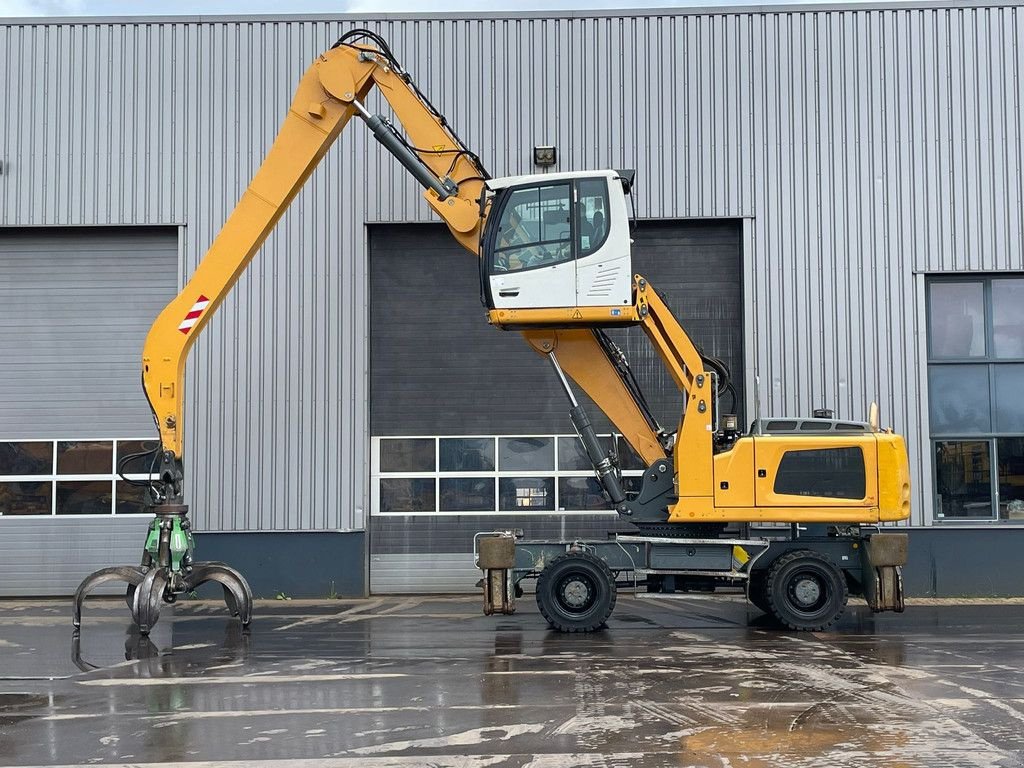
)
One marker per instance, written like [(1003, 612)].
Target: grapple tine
[(237, 594), (132, 574)]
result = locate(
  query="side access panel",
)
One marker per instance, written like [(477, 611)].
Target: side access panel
[(837, 472)]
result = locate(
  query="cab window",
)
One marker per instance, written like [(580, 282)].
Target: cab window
[(591, 215), (534, 230)]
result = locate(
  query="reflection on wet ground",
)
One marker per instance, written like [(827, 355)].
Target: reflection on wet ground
[(695, 681)]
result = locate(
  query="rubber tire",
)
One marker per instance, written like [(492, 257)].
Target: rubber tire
[(596, 571), (757, 594), (830, 578)]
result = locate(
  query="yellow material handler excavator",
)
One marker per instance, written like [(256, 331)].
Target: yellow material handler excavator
[(555, 264)]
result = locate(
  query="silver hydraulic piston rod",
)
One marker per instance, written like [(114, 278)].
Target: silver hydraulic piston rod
[(606, 471)]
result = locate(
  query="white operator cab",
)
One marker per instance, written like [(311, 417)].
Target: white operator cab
[(558, 240)]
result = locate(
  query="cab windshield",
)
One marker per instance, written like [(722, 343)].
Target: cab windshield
[(534, 229)]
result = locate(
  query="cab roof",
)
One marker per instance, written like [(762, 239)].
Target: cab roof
[(538, 178)]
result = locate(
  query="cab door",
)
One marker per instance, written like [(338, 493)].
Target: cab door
[(803, 471), (531, 262), (604, 270)]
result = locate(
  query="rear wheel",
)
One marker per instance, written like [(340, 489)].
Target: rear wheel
[(576, 592), (756, 593), (805, 590)]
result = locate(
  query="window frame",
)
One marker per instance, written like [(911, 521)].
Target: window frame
[(500, 213), (989, 361), (54, 478), (555, 473)]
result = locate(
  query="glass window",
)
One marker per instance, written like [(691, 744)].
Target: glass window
[(958, 399), (628, 458), (26, 458), (581, 493), (139, 465), (1011, 478), (467, 494), (407, 455), (534, 229), (27, 498), (129, 499), (1009, 405), (956, 323), (963, 482), (467, 454), (1008, 317), (592, 214), (572, 456), (85, 457), (407, 494), (84, 497), (533, 494), (835, 473), (526, 454)]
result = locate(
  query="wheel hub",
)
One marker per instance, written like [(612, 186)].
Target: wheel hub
[(807, 591), (576, 593)]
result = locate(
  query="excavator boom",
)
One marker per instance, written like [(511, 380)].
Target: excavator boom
[(332, 91)]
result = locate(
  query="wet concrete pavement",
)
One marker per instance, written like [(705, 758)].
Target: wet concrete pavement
[(694, 681)]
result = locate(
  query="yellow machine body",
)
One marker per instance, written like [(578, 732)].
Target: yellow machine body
[(739, 483)]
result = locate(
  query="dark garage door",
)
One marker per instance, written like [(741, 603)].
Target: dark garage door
[(76, 307), (438, 369)]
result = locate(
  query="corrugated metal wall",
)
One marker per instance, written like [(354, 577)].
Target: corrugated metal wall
[(865, 144)]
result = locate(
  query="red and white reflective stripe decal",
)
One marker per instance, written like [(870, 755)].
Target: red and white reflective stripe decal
[(193, 314)]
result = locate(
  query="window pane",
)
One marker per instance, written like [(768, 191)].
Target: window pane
[(407, 455), (534, 229), (467, 454), (1009, 397), (572, 457), (963, 483), (527, 494), (130, 500), (140, 465), (467, 494), (592, 215), (1008, 317), (85, 457), (956, 321), (26, 458), (581, 493), (84, 497), (407, 494), (836, 473), (29, 498), (1010, 451), (628, 458), (526, 454), (958, 399)]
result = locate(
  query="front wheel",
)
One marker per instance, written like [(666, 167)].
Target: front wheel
[(806, 591), (576, 592)]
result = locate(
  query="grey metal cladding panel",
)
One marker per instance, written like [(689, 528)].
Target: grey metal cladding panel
[(416, 534), (441, 573), (437, 367), (50, 556), (75, 307)]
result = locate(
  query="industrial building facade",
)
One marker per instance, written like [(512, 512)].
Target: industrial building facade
[(830, 198)]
